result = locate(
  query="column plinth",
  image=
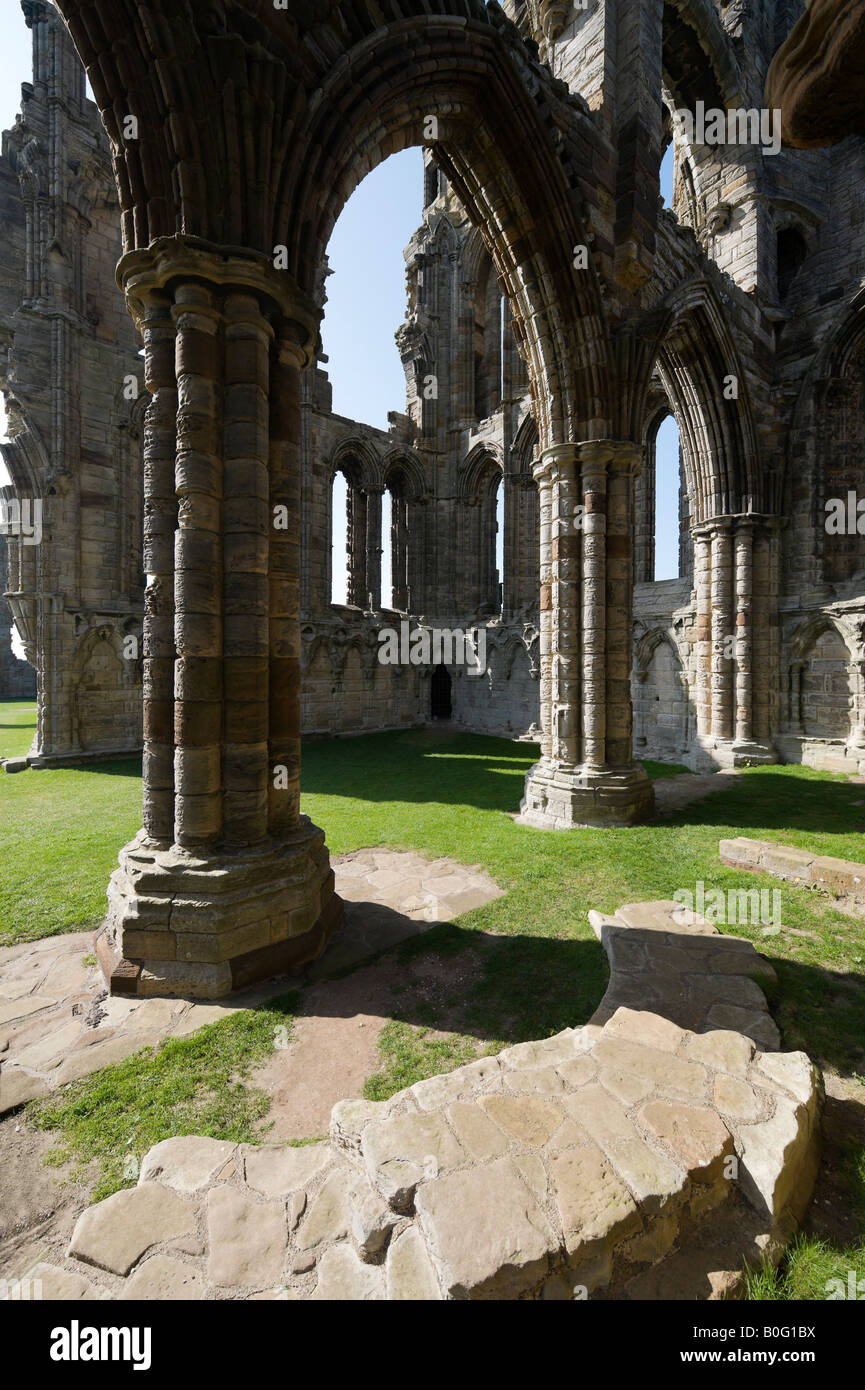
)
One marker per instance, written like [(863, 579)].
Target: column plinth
[(227, 883)]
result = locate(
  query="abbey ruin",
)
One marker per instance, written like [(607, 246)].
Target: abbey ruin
[(736, 311), (588, 1089)]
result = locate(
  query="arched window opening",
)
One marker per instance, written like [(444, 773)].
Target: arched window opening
[(339, 540), (386, 552), (668, 501), (662, 549), (792, 249), (667, 176), (488, 323), (367, 385), (483, 531), (348, 539), (500, 546)]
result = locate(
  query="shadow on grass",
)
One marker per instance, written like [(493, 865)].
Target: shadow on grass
[(456, 769), (781, 801), (519, 988), (120, 767), (450, 977)]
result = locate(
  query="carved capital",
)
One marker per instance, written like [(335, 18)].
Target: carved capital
[(172, 260)]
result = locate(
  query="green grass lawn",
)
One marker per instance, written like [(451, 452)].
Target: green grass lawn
[(533, 961), (17, 727)]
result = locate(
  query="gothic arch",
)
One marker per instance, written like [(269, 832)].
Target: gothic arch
[(821, 684), (812, 629), (648, 645), (404, 467), (826, 447), (698, 61), (481, 469), (695, 357), (525, 446), (356, 458), (341, 97)]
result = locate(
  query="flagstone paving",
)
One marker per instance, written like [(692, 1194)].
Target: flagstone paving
[(57, 1022), (618, 1159)]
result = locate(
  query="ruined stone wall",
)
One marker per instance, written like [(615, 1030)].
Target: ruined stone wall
[(17, 677), (751, 276), (73, 383)]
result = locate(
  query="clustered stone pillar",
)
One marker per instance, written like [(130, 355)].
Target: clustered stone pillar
[(227, 882), (373, 549), (587, 774), (736, 597)]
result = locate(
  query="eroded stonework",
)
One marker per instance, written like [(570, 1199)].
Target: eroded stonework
[(556, 313), (614, 1160)]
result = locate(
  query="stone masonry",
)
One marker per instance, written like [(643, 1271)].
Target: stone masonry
[(556, 313), (634, 1157), (73, 382), (755, 654)]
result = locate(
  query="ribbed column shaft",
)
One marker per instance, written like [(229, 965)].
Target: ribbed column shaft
[(619, 745), (722, 631), (245, 555), (543, 478), (745, 635), (160, 523), (373, 548), (594, 462), (763, 603), (703, 639), (284, 673), (565, 629), (198, 569)]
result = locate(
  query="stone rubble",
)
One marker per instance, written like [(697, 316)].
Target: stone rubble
[(633, 1153)]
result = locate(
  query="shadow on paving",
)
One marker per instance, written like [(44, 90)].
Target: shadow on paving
[(504, 988), (519, 988)]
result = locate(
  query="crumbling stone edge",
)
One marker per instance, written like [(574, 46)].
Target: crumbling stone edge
[(636, 1156)]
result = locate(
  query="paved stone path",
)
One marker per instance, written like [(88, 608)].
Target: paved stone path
[(57, 1022), (606, 1159)]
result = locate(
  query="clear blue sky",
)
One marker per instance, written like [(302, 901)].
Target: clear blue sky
[(366, 292)]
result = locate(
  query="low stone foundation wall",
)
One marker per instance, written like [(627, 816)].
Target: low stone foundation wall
[(594, 1163), (842, 877)]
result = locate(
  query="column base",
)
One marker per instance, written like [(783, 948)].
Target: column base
[(713, 753), (556, 799), (201, 925)]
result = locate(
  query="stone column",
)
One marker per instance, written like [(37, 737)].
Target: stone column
[(160, 525), (703, 637), (593, 489), (734, 610), (765, 583), (227, 883), (587, 774), (857, 737), (542, 470), (373, 549), (358, 584), (722, 632), (744, 628), (795, 698)]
